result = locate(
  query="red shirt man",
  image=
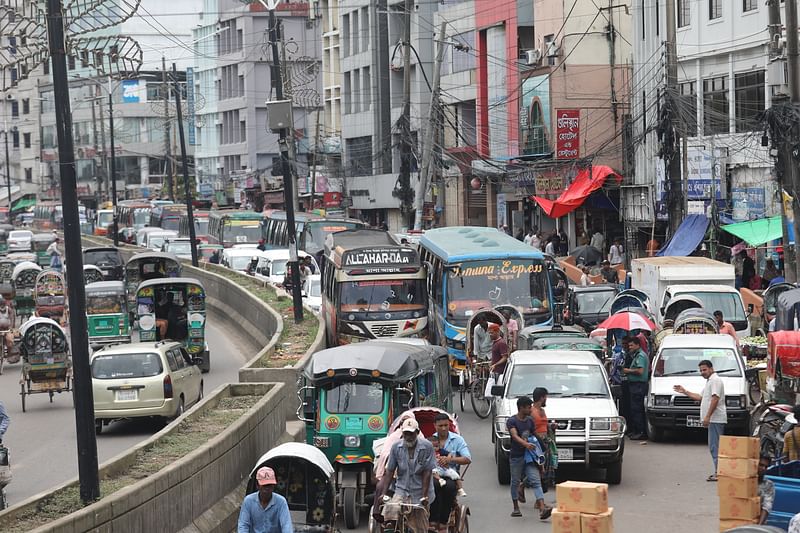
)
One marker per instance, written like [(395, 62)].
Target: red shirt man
[(499, 350)]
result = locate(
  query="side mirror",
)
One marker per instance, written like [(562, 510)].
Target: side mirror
[(616, 391), (497, 391)]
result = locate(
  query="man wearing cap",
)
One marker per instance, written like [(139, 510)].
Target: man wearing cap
[(499, 352), (263, 511), (412, 460), (609, 274)]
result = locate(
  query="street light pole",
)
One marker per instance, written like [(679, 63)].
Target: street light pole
[(184, 163), (113, 166), (8, 170)]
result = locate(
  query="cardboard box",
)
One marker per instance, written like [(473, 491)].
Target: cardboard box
[(731, 487), (739, 447), (726, 524), (578, 496), (566, 522), (598, 523), (740, 508), (738, 468)]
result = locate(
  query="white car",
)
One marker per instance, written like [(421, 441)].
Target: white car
[(239, 258), (156, 239), (676, 363), (312, 293), (19, 240), (589, 430), (179, 246), (274, 270)]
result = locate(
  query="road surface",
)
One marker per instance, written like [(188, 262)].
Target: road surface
[(41, 441), (663, 487)]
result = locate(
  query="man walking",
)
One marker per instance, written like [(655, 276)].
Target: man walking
[(264, 511), (712, 408), (636, 373), (598, 240), (521, 427)]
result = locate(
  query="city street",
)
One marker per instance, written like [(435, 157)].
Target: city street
[(663, 487), (41, 441)]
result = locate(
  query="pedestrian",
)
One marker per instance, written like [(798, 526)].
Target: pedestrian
[(766, 489), (506, 229), (481, 342), (770, 272), (609, 274), (536, 241), (499, 353), (637, 375), (791, 441), (5, 420), (55, 255), (563, 244), (519, 236), (725, 328), (521, 427), (652, 247), (598, 240), (512, 326), (264, 511), (546, 435), (748, 269), (413, 460), (738, 264), (616, 254), (528, 237), (712, 408), (585, 281), (552, 245)]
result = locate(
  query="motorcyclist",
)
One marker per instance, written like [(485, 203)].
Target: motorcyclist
[(8, 321)]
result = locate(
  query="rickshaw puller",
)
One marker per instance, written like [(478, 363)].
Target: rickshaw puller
[(7, 322), (453, 453)]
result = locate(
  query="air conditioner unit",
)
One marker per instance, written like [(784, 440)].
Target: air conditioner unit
[(532, 57)]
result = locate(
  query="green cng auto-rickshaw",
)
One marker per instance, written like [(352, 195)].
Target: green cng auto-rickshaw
[(3, 241), (39, 244), (107, 313), (146, 266), (175, 309), (349, 397)]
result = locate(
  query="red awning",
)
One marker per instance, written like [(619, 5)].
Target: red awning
[(584, 184)]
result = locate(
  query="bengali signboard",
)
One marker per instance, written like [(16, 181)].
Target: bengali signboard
[(705, 170), (381, 260), (568, 133), (190, 111), (749, 203)]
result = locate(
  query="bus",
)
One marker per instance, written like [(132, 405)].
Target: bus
[(200, 224), (372, 288), (474, 268), (48, 216), (234, 227), (4, 216), (312, 230), (133, 214), (167, 216)]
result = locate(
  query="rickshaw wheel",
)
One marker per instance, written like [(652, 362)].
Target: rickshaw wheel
[(22, 393), (351, 508)]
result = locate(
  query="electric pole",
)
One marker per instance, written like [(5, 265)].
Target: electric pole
[(113, 177), (288, 185), (670, 144), (430, 129), (8, 169), (167, 138), (791, 163), (314, 163), (104, 153), (78, 326), (185, 164), (406, 192), (97, 175)]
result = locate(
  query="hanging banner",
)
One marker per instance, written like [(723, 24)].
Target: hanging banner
[(568, 133), (190, 105)]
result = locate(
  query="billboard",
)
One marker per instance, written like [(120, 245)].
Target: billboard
[(133, 92), (568, 133), (534, 116), (190, 106)]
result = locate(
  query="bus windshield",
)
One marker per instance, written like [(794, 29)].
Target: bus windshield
[(474, 285), (141, 217), (242, 231), (201, 226), (320, 229), (105, 218), (382, 295)]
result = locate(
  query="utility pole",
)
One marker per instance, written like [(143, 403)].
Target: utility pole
[(431, 129), (185, 163), (167, 137), (79, 335), (104, 153), (314, 163), (97, 175), (405, 193), (8, 168), (791, 163), (113, 177), (288, 185), (674, 157)]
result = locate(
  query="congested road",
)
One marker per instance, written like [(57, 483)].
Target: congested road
[(663, 487), (41, 441)]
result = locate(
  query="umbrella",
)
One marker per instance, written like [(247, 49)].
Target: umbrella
[(587, 255), (627, 321)]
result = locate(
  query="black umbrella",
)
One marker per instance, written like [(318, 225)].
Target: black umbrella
[(586, 254)]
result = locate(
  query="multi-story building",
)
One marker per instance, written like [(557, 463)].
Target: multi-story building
[(722, 65)]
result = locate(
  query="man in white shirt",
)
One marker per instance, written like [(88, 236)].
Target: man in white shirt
[(528, 237), (536, 240), (616, 254), (481, 342), (712, 408), (598, 240)]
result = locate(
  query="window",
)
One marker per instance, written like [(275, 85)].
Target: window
[(46, 66), (359, 156), (715, 106), (28, 175), (345, 39), (688, 98), (348, 93), (750, 101), (26, 140), (714, 9), (684, 14), (749, 5), (354, 31), (26, 106), (14, 108), (15, 138), (71, 62)]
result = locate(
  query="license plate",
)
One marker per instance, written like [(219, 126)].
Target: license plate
[(105, 272), (693, 422), (565, 454), (127, 395)]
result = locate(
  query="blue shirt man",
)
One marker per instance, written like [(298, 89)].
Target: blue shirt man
[(4, 421), (264, 511)]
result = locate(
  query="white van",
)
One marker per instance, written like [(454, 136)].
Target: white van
[(589, 429), (713, 298), (677, 364)]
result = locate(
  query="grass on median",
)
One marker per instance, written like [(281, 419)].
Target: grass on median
[(295, 339), (189, 435)]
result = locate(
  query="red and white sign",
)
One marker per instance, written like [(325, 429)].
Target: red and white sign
[(568, 133)]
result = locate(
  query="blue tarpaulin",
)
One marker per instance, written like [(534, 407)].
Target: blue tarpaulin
[(689, 235)]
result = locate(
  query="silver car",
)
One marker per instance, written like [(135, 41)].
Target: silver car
[(19, 241)]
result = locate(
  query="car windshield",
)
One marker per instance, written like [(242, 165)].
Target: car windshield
[(730, 303), (239, 262), (355, 398), (476, 284), (593, 302), (179, 248), (157, 241), (319, 231), (141, 217), (315, 288), (102, 257), (561, 380), (382, 295), (99, 304), (685, 361), (206, 252), (126, 365), (105, 218), (171, 223), (20, 235), (242, 231)]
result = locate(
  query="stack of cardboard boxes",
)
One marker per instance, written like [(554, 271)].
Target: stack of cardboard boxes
[(582, 508), (737, 482)]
